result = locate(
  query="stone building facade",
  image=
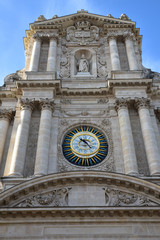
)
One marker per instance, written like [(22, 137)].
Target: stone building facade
[(80, 134)]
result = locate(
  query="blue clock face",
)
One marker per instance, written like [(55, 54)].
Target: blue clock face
[(85, 146)]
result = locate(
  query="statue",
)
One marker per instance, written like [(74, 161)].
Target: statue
[(83, 64)]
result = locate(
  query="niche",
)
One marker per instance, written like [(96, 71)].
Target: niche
[(83, 63)]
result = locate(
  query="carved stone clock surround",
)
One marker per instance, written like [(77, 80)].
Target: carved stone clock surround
[(104, 126)]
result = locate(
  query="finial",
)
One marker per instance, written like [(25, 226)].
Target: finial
[(41, 18), (109, 15), (82, 11), (55, 16), (124, 17)]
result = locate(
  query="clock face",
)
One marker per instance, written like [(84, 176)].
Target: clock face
[(85, 146)]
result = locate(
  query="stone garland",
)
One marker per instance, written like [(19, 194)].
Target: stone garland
[(56, 198), (117, 198)]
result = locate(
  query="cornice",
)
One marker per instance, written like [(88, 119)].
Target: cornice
[(8, 94), (147, 83), (97, 214), (85, 92), (55, 85), (79, 15)]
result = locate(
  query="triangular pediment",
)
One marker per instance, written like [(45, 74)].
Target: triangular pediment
[(60, 24), (82, 16)]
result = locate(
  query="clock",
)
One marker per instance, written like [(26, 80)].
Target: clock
[(85, 146)]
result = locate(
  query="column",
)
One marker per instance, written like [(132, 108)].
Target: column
[(132, 60), (42, 155), (151, 147), (52, 55), (129, 155), (5, 117), (114, 54), (34, 62), (20, 145)]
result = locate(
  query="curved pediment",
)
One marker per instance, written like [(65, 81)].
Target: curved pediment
[(67, 190)]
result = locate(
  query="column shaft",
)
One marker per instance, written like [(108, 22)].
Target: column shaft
[(34, 62), (133, 63), (20, 146), (51, 64), (114, 54), (42, 155), (4, 125), (150, 142), (129, 155)]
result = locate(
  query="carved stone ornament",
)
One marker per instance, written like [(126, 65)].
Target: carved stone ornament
[(41, 18), (101, 63), (116, 198), (107, 164), (103, 101), (27, 104), (122, 103), (124, 17), (39, 35), (56, 198), (84, 113), (65, 101), (46, 104), (64, 64), (120, 32), (147, 73), (12, 78), (82, 33), (6, 114), (142, 103)]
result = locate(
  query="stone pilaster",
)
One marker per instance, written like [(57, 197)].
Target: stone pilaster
[(52, 55), (115, 62), (5, 117), (42, 155), (21, 140), (151, 147), (133, 63), (34, 62), (129, 155)]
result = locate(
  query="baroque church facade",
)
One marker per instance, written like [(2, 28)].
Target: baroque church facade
[(80, 134)]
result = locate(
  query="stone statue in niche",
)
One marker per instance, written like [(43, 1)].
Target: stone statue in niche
[(83, 64)]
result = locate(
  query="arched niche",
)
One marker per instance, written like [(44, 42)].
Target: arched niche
[(83, 63)]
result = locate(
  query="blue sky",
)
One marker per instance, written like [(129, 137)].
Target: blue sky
[(15, 16)]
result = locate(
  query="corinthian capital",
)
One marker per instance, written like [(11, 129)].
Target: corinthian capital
[(50, 35), (142, 103), (27, 104), (6, 114), (122, 103), (47, 104)]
